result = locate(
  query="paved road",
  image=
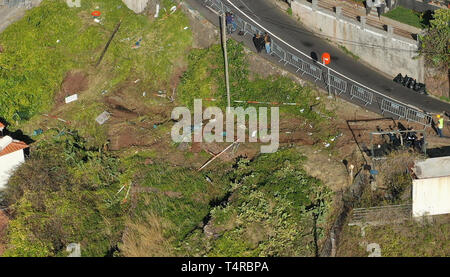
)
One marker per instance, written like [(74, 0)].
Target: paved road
[(285, 27)]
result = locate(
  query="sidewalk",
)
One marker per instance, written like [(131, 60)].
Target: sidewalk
[(354, 11)]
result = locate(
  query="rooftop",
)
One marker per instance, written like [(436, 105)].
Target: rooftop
[(13, 147), (432, 168)]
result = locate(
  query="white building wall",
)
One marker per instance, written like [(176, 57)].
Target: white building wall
[(431, 196), (7, 165), (137, 6)]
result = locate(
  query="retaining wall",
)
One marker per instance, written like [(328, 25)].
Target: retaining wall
[(394, 56)]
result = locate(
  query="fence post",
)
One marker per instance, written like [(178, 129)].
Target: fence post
[(338, 13), (390, 30), (314, 5), (363, 21)]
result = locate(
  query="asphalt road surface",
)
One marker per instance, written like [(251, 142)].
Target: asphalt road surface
[(277, 22)]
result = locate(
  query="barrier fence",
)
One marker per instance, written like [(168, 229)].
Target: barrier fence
[(15, 3), (339, 84), (361, 94)]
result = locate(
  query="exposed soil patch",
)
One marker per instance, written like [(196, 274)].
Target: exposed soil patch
[(74, 82)]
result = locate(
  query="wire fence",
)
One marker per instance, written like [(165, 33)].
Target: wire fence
[(337, 83)]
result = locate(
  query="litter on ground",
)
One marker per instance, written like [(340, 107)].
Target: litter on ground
[(71, 98), (103, 117), (157, 11)]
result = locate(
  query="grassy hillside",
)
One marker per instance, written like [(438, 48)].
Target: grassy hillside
[(53, 39)]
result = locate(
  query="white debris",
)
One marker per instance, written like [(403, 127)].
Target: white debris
[(374, 249), (186, 28), (137, 81), (71, 98), (74, 249), (317, 98), (73, 3), (326, 144), (302, 110), (157, 11), (144, 94), (173, 9), (254, 133), (102, 118), (58, 41)]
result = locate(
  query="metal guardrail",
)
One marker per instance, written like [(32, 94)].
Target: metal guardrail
[(393, 108), (337, 83), (313, 71), (340, 83), (361, 94), (419, 117), (16, 3), (279, 52)]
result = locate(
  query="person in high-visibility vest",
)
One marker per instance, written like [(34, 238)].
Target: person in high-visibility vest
[(440, 126)]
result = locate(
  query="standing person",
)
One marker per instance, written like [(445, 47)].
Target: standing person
[(230, 21), (268, 43), (261, 42), (440, 126), (256, 42)]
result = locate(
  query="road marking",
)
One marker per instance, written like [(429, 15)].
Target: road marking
[(275, 36)]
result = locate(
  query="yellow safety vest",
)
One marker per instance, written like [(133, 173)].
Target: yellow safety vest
[(441, 123)]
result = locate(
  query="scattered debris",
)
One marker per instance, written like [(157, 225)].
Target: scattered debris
[(374, 249), (55, 117), (74, 249), (173, 9), (102, 118), (137, 44), (157, 11), (218, 155), (71, 98), (37, 132)]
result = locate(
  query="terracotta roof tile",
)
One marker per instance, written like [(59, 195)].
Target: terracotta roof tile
[(13, 147), (2, 125)]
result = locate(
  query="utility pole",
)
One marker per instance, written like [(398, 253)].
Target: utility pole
[(225, 54)]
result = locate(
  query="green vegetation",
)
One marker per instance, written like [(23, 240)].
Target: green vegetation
[(436, 43), (408, 239), (205, 79), (289, 11), (72, 190), (53, 39), (176, 198), (407, 16), (64, 194), (274, 209)]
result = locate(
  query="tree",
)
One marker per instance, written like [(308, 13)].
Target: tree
[(436, 42)]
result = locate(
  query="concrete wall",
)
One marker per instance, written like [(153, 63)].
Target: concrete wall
[(7, 165), (137, 6), (431, 196), (360, 35)]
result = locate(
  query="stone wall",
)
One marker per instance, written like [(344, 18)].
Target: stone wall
[(392, 55)]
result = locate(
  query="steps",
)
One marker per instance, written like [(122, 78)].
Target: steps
[(355, 11)]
